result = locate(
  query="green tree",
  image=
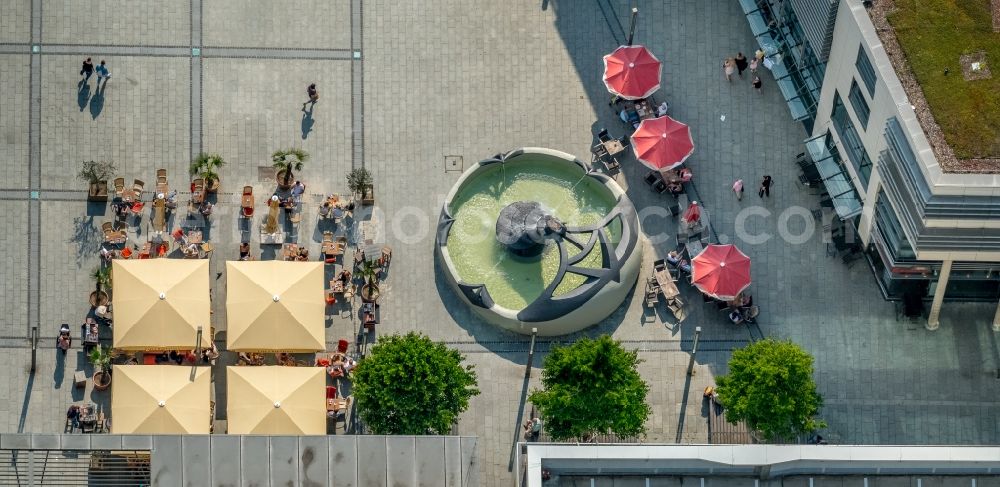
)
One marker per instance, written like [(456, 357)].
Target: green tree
[(592, 387), (287, 161), (770, 386), (409, 385)]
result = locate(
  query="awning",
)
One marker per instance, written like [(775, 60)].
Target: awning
[(837, 183)]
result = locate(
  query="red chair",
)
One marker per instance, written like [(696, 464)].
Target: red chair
[(331, 392), (342, 346), (126, 253), (331, 299), (178, 235), (161, 250)]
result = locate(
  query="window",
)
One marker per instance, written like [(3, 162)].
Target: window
[(860, 105), (853, 146), (891, 231), (866, 70)]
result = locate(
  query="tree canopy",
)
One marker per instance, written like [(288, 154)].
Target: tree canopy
[(410, 385), (770, 386), (592, 387)]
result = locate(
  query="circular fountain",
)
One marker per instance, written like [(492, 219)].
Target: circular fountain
[(534, 239)]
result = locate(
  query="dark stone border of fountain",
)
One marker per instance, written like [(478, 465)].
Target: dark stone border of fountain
[(547, 308)]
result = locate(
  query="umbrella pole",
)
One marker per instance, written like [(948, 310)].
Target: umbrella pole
[(631, 29)]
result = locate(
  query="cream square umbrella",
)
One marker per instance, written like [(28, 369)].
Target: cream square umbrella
[(160, 399), (160, 303), (276, 400), (275, 306)]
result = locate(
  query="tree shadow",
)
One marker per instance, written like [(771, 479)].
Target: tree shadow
[(87, 238)]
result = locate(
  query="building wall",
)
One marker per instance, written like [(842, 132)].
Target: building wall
[(854, 29)]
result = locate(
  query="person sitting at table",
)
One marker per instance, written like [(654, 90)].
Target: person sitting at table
[(171, 202), (176, 357), (674, 258), (73, 416), (630, 117), (103, 314), (298, 189), (685, 175), (209, 355), (675, 187), (736, 317), (349, 365), (344, 276), (107, 254), (137, 207), (324, 209), (303, 255), (662, 109), (121, 209), (245, 251), (191, 249), (206, 208)]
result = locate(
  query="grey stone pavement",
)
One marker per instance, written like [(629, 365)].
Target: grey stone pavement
[(403, 85)]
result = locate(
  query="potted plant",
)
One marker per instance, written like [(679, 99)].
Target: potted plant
[(96, 175), (359, 181), (101, 358), (369, 274), (206, 166), (102, 280), (286, 162)]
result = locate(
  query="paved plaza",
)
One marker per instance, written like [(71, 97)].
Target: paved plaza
[(403, 85)]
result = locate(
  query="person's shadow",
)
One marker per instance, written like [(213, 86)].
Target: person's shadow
[(97, 102), (307, 123), (83, 94)]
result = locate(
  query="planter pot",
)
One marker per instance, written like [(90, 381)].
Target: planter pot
[(99, 299), (280, 176), (212, 185), (102, 380), (97, 191), (369, 293)]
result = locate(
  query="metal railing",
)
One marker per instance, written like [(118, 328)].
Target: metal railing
[(94, 468)]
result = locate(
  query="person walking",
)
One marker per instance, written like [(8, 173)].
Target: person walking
[(729, 67), (757, 84), (765, 187), (759, 55), (741, 63), (87, 70), (738, 189), (313, 96), (753, 66), (102, 72)]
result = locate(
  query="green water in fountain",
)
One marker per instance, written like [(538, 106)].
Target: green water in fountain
[(562, 189)]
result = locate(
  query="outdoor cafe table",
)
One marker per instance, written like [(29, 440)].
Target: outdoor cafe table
[(332, 248), (194, 237), (372, 251), (645, 109), (336, 286), (290, 251), (667, 285), (336, 404), (116, 237), (613, 146)]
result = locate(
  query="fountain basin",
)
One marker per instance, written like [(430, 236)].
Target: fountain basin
[(534, 239)]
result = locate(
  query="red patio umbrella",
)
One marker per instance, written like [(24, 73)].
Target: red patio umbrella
[(662, 143), (632, 72), (721, 271)]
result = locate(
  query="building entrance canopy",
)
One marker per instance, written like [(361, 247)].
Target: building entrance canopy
[(837, 183)]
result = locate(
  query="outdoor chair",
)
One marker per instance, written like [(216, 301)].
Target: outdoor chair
[(611, 165), (161, 173), (119, 187), (108, 229), (659, 265), (386, 256), (331, 392), (197, 191), (652, 292), (624, 140), (342, 345), (137, 186), (660, 187), (651, 178), (603, 135)]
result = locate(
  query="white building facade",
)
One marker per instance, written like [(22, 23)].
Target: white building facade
[(925, 232)]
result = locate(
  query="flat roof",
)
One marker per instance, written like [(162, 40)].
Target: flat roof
[(927, 44)]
